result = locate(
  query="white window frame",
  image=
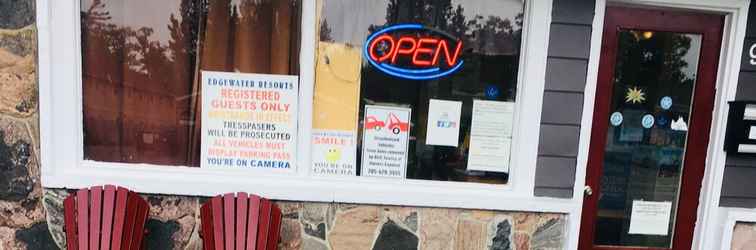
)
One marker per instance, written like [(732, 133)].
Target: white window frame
[(61, 132)]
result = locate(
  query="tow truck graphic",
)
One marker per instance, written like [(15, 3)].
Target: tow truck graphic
[(395, 125), (373, 123)]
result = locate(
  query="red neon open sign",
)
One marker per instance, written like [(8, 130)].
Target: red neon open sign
[(415, 48), (414, 56)]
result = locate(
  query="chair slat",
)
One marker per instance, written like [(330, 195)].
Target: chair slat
[(218, 215), (253, 218), (240, 222), (275, 227), (108, 207), (82, 201), (142, 212), (69, 208), (206, 216), (95, 217), (128, 222), (105, 218), (263, 225), (242, 200), (119, 217), (228, 218)]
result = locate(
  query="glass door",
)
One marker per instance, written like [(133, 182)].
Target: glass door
[(651, 122)]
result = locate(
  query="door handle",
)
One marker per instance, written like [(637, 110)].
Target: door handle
[(588, 190)]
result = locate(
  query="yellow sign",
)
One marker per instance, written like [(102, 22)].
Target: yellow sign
[(337, 87)]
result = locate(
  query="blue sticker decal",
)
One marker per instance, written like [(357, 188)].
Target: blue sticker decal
[(616, 119), (666, 102), (492, 91), (647, 121)]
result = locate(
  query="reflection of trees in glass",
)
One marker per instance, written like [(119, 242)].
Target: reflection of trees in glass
[(488, 35), (491, 60), (185, 32), (656, 62), (133, 81), (140, 51), (491, 43), (495, 35), (660, 57), (140, 72), (325, 31)]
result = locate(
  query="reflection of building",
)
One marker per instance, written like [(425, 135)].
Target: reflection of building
[(133, 125), (132, 86)]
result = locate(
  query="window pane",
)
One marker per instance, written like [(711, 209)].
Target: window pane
[(142, 60), (477, 100), (654, 82)]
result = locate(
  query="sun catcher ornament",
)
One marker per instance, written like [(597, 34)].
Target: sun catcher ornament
[(635, 95)]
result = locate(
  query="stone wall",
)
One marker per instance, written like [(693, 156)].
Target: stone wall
[(744, 236), (174, 222), (31, 217)]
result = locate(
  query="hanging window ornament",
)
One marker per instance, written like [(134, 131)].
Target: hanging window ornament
[(635, 95), (679, 124), (616, 118), (665, 102), (647, 121)]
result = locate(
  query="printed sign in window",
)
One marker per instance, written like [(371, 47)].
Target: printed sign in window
[(249, 121), (333, 153), (491, 136), (650, 218), (443, 123), (385, 141)]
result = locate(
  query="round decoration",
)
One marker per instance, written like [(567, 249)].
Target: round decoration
[(616, 119), (666, 102), (635, 95), (492, 91), (647, 121)]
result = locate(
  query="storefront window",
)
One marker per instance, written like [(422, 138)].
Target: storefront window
[(200, 97), (416, 89), (141, 63), (403, 89)]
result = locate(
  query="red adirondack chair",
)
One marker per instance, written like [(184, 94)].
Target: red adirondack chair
[(105, 218), (241, 222)]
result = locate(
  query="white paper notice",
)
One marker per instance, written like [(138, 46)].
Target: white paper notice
[(385, 140), (650, 217), (752, 133), (334, 153), (490, 136), (249, 121), (750, 112), (443, 123)]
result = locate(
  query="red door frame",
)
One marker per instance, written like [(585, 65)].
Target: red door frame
[(710, 27)]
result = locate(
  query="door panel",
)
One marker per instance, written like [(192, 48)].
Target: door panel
[(650, 128), (645, 143)]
